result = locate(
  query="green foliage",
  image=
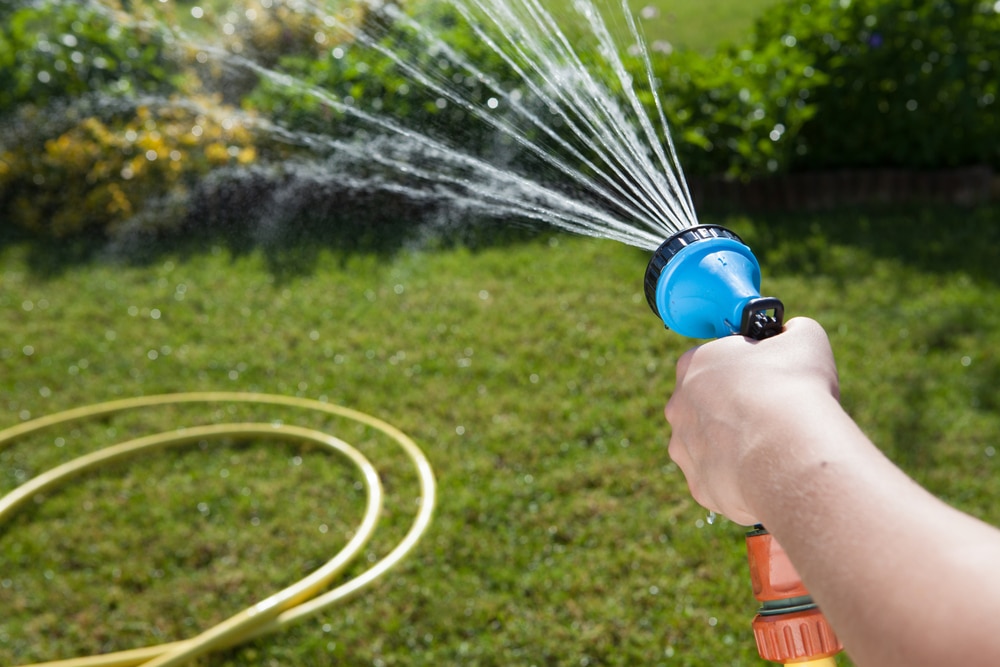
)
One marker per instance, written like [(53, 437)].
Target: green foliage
[(563, 533), (381, 74), (53, 50), (817, 85), (906, 83), (91, 168), (737, 112), (102, 124), (843, 83)]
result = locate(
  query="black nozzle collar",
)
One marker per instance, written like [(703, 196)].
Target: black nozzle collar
[(673, 245)]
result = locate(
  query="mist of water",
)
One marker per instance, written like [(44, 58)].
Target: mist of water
[(608, 169)]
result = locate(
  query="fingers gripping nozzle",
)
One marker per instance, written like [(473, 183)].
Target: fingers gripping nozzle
[(704, 282)]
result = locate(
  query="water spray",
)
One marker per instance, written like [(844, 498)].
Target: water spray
[(704, 282)]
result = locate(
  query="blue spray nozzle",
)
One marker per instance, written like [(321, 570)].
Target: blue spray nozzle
[(704, 282)]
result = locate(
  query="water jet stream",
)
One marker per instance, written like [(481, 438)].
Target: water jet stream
[(613, 173)]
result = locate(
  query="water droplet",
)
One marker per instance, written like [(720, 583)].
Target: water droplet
[(710, 518)]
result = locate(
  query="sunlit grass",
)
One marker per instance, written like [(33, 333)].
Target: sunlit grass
[(532, 374), (687, 24)]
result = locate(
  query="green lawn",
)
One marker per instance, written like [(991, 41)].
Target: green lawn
[(698, 25), (688, 24), (530, 371), (532, 374)]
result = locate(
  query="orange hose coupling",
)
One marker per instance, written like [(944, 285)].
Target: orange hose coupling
[(789, 627)]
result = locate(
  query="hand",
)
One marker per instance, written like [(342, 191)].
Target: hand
[(733, 399)]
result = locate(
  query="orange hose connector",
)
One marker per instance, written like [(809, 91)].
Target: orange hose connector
[(789, 627)]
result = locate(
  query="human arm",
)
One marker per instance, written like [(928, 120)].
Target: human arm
[(759, 433)]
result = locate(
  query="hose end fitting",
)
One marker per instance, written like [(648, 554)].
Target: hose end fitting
[(789, 627)]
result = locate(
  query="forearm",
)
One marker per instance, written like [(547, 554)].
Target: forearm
[(881, 556)]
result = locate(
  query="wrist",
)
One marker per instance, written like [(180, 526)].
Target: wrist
[(793, 450)]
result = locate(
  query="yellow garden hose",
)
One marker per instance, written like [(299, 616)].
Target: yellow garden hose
[(295, 602)]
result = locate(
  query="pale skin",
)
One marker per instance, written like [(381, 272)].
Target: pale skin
[(759, 433)]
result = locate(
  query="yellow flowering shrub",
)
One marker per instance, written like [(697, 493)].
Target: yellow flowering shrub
[(99, 173), (269, 29)]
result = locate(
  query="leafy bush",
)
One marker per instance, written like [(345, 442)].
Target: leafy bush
[(843, 83), (738, 111), (359, 72), (82, 167), (907, 83), (51, 50), (268, 30), (100, 124), (820, 84)]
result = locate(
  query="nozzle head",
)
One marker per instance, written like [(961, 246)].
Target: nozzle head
[(672, 247), (701, 280)]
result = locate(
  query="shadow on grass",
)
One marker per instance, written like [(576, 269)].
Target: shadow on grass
[(291, 244), (295, 227), (935, 239)]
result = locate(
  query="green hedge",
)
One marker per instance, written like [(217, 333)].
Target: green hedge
[(910, 83), (362, 76), (851, 83), (102, 121), (817, 85), (739, 111), (55, 50)]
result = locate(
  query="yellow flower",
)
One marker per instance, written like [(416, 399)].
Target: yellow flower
[(216, 153), (247, 155)]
